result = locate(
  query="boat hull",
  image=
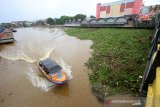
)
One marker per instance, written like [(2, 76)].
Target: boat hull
[(49, 77), (6, 37), (9, 40)]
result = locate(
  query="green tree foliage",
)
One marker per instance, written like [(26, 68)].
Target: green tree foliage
[(63, 18), (80, 16), (50, 21), (92, 16)]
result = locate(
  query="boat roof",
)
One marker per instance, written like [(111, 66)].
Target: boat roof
[(51, 66)]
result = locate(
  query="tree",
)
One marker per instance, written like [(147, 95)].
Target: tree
[(92, 16), (40, 22), (62, 19), (80, 16), (50, 21)]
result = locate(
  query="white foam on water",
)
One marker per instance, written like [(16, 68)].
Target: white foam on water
[(58, 33), (14, 54), (43, 83), (38, 81), (33, 48), (65, 67)]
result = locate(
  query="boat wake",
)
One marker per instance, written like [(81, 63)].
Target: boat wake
[(38, 81), (42, 82), (13, 54), (32, 46), (57, 33)]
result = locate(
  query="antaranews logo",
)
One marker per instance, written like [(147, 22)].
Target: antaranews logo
[(124, 101)]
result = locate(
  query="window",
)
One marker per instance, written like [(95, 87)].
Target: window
[(103, 8), (130, 5), (122, 7), (108, 9)]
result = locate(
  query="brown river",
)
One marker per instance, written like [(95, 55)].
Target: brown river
[(21, 83)]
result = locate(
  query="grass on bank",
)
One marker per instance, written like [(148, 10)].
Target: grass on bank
[(118, 59)]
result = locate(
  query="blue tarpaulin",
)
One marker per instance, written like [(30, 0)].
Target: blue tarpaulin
[(1, 29)]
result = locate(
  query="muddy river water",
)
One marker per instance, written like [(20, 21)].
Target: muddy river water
[(21, 83)]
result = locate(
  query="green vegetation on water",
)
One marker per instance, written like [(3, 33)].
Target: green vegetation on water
[(118, 59)]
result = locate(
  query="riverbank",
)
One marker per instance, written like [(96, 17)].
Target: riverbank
[(118, 59)]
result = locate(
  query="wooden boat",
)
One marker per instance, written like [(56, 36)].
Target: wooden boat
[(6, 38)]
